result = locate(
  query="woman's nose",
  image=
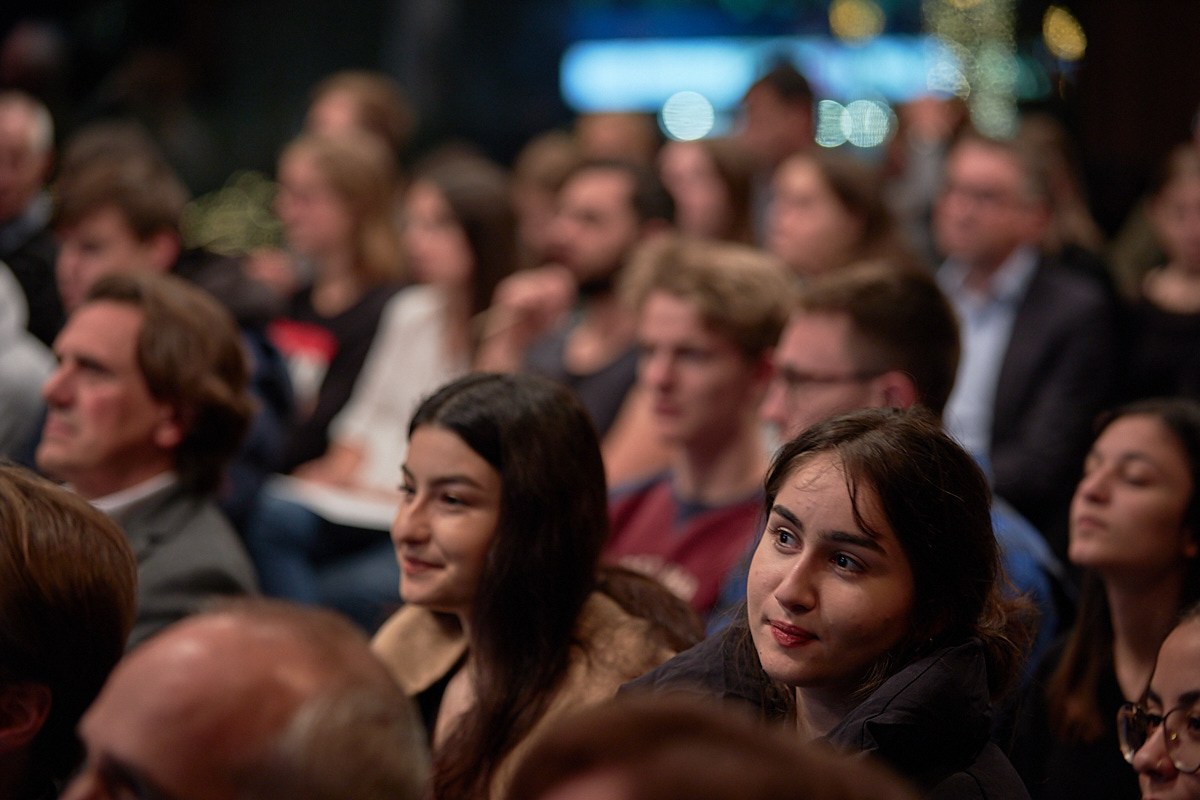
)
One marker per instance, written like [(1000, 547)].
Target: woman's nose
[(797, 590), (1152, 757)]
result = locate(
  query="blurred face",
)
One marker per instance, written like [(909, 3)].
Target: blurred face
[(773, 128), (104, 432), (595, 227), (826, 598), (701, 198), (449, 510), (1174, 690), (316, 220), (984, 211), (701, 387), (1127, 516), (807, 226), (102, 243), (23, 167), (436, 246), (1176, 218), (816, 375)]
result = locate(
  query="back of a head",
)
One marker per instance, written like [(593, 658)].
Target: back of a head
[(900, 321), (190, 354), (655, 747), (353, 733), (67, 597), (739, 291), (133, 178)]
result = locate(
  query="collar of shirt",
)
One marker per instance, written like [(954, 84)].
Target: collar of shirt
[(16, 231), (1007, 284), (119, 504)]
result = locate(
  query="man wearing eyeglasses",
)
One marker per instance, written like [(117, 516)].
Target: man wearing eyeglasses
[(1039, 351), (874, 335)]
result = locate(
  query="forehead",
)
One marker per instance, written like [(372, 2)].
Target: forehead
[(982, 162), (107, 220), (816, 339), (102, 327), (1178, 669), (16, 125), (434, 450), (610, 188)]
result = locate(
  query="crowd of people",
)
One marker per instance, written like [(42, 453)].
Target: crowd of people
[(731, 468)]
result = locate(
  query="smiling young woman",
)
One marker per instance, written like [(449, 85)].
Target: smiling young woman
[(507, 624), (874, 619)]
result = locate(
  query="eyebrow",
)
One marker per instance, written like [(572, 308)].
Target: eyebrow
[(839, 536), (444, 480)]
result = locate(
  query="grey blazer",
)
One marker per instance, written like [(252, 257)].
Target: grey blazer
[(187, 553)]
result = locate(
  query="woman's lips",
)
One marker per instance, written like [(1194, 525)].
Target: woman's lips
[(415, 566), (790, 636)]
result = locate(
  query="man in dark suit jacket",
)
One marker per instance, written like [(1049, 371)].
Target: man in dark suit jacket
[(145, 409), (1039, 356)]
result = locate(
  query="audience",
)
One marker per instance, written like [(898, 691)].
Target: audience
[(874, 618), (874, 336), (146, 407), (459, 241), (335, 202), (708, 315), (605, 209), (67, 594), (27, 245), (1134, 519), (658, 748), (252, 701), (871, 613), (498, 535), (1040, 357), (1157, 733)]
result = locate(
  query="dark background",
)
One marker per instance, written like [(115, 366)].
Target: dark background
[(224, 83)]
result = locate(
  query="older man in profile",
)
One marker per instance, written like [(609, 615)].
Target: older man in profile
[(145, 409)]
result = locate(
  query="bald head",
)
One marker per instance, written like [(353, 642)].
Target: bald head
[(232, 704)]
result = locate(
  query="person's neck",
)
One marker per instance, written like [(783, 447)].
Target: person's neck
[(1142, 613), (337, 285), (979, 275), (818, 711), (718, 475), (457, 339), (93, 488)]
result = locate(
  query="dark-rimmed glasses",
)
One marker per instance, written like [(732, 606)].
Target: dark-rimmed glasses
[(1181, 733)]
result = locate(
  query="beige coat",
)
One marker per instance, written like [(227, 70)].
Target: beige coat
[(615, 648)]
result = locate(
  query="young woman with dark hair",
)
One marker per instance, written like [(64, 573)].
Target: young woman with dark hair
[(1134, 520), (502, 517), (874, 615)]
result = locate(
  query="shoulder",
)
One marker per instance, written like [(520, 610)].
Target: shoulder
[(615, 646), (709, 669), (184, 538), (418, 647)]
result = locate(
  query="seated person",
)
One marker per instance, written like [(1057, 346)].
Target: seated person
[(67, 593), (708, 315), (320, 537), (653, 746), (253, 700), (874, 618), (506, 624), (1158, 733), (147, 406)]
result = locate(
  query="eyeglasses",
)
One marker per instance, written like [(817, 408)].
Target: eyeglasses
[(1181, 733), (796, 381)]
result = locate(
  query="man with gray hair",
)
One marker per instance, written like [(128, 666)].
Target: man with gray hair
[(255, 700), (27, 245)]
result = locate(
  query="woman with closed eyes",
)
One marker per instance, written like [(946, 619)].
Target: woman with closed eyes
[(873, 616), (1134, 521)]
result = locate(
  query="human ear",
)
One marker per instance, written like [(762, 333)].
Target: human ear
[(896, 389), (24, 706)]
